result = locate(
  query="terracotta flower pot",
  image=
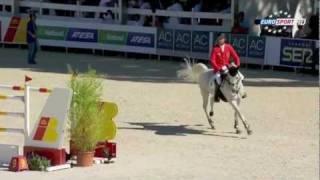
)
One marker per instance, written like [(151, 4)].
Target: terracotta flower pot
[(85, 159)]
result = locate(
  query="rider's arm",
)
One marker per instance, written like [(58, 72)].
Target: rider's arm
[(235, 56), (213, 59)]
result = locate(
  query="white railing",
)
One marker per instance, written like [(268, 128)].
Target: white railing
[(80, 10)]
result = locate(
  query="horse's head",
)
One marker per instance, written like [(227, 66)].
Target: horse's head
[(234, 78)]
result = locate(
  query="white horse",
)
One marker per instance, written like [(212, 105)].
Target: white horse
[(231, 87)]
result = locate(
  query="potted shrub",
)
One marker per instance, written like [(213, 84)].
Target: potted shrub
[(38, 163), (85, 116)]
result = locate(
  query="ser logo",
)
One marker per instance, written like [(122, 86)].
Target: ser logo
[(82, 35), (297, 55)]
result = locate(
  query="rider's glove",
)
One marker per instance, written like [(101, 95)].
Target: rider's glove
[(224, 70)]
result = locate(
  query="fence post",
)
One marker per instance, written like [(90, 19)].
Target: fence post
[(26, 109)]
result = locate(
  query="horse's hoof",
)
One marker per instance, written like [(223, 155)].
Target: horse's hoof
[(212, 127), (238, 131), (249, 132), (245, 95), (211, 113)]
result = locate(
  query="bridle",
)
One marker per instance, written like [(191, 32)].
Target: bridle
[(235, 88)]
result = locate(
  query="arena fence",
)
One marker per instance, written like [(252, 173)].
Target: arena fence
[(274, 51)]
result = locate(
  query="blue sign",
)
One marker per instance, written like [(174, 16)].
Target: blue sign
[(165, 39), (239, 42), (200, 41), (256, 47), (297, 52), (182, 40), (140, 39), (82, 35)]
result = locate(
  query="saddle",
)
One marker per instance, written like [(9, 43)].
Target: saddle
[(218, 94)]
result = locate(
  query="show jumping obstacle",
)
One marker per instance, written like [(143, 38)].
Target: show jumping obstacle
[(47, 137)]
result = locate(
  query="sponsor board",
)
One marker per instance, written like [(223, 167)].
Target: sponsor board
[(52, 33), (140, 39), (182, 40), (17, 31), (113, 37), (297, 52), (165, 39), (200, 41), (239, 42), (256, 47), (82, 35)]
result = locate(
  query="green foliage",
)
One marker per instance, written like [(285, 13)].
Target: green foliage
[(38, 163), (85, 116)]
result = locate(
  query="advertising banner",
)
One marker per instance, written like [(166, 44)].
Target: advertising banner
[(182, 40), (200, 41), (297, 52), (82, 35), (113, 37), (239, 42), (165, 39), (256, 47), (140, 39), (17, 31), (52, 33)]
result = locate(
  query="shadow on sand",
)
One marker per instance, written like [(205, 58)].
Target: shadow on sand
[(177, 130)]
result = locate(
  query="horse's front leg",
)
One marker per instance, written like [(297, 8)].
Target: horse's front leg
[(237, 111), (236, 123), (205, 96)]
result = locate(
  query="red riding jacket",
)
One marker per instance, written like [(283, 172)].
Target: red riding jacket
[(220, 59)]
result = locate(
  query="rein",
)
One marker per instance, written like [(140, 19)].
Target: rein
[(233, 85)]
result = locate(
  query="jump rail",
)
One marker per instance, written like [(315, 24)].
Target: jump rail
[(25, 99)]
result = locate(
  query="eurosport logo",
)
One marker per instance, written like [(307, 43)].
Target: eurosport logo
[(281, 18), (283, 22)]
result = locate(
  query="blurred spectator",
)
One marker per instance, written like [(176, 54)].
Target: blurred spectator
[(133, 4), (107, 3), (176, 6), (243, 23), (237, 29), (300, 33), (197, 8), (314, 27), (108, 17), (145, 20)]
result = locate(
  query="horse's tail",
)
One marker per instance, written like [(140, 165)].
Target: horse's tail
[(191, 72)]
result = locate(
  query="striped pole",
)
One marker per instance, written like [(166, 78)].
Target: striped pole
[(12, 130), (15, 88), (5, 97), (16, 114), (26, 107), (26, 99), (41, 90)]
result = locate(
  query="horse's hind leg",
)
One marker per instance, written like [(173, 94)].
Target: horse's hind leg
[(205, 96), (211, 113)]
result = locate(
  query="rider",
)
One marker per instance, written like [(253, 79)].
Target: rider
[(220, 59)]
